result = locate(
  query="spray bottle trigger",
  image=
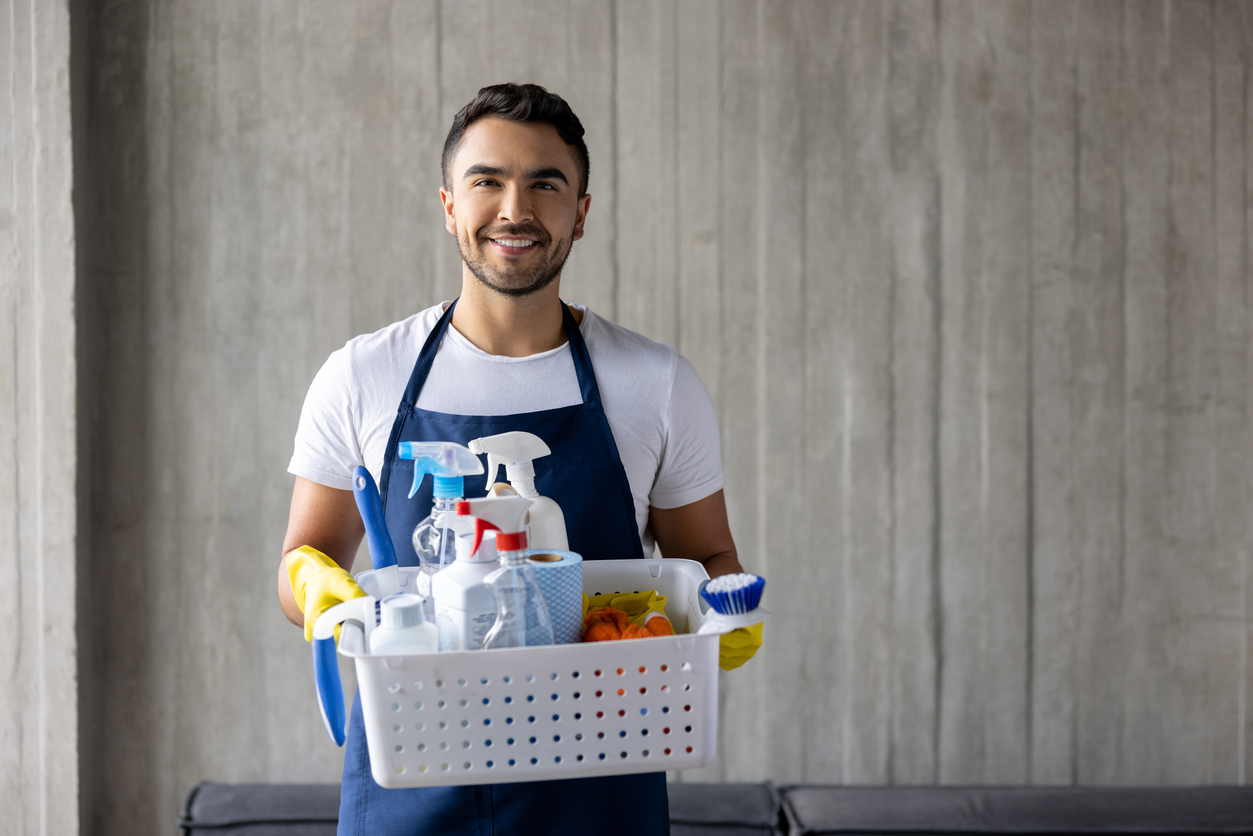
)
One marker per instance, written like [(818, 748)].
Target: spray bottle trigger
[(493, 467)]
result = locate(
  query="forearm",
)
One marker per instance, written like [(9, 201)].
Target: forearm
[(722, 563), (285, 597)]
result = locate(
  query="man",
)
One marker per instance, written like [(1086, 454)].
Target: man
[(634, 439)]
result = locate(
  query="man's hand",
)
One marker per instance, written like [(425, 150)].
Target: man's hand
[(326, 520), (700, 531)]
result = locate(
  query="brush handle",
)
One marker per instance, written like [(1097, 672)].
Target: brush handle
[(382, 553), (716, 622)]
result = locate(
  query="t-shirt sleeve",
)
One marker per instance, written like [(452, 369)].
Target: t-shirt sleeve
[(691, 462), (327, 448)]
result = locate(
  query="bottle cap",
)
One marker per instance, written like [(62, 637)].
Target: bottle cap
[(401, 610)]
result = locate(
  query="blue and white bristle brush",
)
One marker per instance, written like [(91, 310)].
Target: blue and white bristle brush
[(734, 594)]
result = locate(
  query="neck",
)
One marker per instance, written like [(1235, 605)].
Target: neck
[(509, 326)]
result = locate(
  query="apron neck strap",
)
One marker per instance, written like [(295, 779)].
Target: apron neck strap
[(578, 352)]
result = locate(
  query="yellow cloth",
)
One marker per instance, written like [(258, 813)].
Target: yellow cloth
[(318, 583), (637, 605), (738, 646)]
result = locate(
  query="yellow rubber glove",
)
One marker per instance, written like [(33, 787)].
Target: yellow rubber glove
[(738, 646), (318, 583)]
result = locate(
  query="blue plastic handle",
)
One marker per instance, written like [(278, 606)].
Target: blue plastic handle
[(330, 689), (382, 553)]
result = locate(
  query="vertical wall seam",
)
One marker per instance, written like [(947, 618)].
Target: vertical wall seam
[(617, 162), (937, 389), (38, 304), (893, 288), (1029, 684), (1243, 697), (1074, 259)]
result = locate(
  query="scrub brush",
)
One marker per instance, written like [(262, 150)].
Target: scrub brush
[(733, 600), (734, 594)]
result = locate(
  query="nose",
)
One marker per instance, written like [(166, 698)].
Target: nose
[(514, 205)]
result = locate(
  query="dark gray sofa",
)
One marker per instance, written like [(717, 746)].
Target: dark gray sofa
[(806, 810)]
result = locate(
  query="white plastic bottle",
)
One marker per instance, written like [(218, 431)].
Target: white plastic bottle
[(465, 609), (402, 629), (517, 452)]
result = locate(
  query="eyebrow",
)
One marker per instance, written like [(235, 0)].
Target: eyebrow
[(534, 174)]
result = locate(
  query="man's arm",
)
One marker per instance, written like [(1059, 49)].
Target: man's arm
[(326, 519), (697, 531)]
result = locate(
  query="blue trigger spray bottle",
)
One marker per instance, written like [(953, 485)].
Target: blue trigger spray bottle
[(435, 537)]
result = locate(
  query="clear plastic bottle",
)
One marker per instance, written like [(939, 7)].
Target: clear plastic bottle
[(522, 618), (434, 538)]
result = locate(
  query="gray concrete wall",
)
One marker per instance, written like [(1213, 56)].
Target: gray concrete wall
[(969, 284), (39, 712)]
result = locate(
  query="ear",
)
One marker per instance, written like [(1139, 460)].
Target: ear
[(450, 220), (585, 203)]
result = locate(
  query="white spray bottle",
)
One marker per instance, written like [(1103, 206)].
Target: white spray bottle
[(516, 451), (434, 538)]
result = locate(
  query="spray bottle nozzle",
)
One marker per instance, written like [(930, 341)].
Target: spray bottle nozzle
[(516, 451), (447, 461), (505, 515)]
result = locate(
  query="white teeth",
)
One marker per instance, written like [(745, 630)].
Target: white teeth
[(514, 242)]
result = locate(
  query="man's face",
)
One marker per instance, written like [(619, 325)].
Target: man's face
[(514, 204)]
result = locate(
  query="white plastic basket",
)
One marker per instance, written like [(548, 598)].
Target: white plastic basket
[(540, 713)]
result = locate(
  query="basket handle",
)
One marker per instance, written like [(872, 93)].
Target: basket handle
[(326, 669)]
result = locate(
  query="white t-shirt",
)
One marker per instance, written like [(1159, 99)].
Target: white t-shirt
[(660, 413)]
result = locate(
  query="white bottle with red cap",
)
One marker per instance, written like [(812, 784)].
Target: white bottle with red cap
[(522, 618)]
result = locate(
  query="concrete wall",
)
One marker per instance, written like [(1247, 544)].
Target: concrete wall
[(969, 284), (39, 712)]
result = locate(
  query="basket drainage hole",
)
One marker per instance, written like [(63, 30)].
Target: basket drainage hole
[(443, 767), (644, 753), (439, 683), (422, 768), (465, 744), (579, 736), (622, 713), (557, 759), (394, 687), (461, 682), (578, 758), (689, 750), (490, 764), (643, 712), (512, 762), (643, 669), (665, 668), (621, 671), (399, 747), (686, 666), (602, 756), (553, 677), (508, 679), (624, 754), (687, 729), (530, 677), (465, 724), (465, 765), (574, 674), (485, 681), (667, 751), (534, 761), (421, 747), (400, 769)]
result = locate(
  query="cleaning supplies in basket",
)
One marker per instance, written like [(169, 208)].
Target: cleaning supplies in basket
[(434, 538), (522, 618), (465, 608), (517, 452), (636, 615)]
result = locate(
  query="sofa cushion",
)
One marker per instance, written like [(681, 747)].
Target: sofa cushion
[(723, 809), (1017, 810), (261, 810)]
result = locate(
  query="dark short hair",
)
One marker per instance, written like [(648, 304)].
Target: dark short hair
[(520, 103)]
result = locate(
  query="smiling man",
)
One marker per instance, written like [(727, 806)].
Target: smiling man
[(634, 439)]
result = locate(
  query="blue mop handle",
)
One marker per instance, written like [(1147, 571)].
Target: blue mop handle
[(330, 689), (382, 553)]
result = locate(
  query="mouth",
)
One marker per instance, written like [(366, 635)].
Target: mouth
[(511, 246)]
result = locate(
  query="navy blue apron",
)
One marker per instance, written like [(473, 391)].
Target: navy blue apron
[(584, 474)]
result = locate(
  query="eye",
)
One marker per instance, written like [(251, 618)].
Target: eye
[(552, 187), (486, 182)]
